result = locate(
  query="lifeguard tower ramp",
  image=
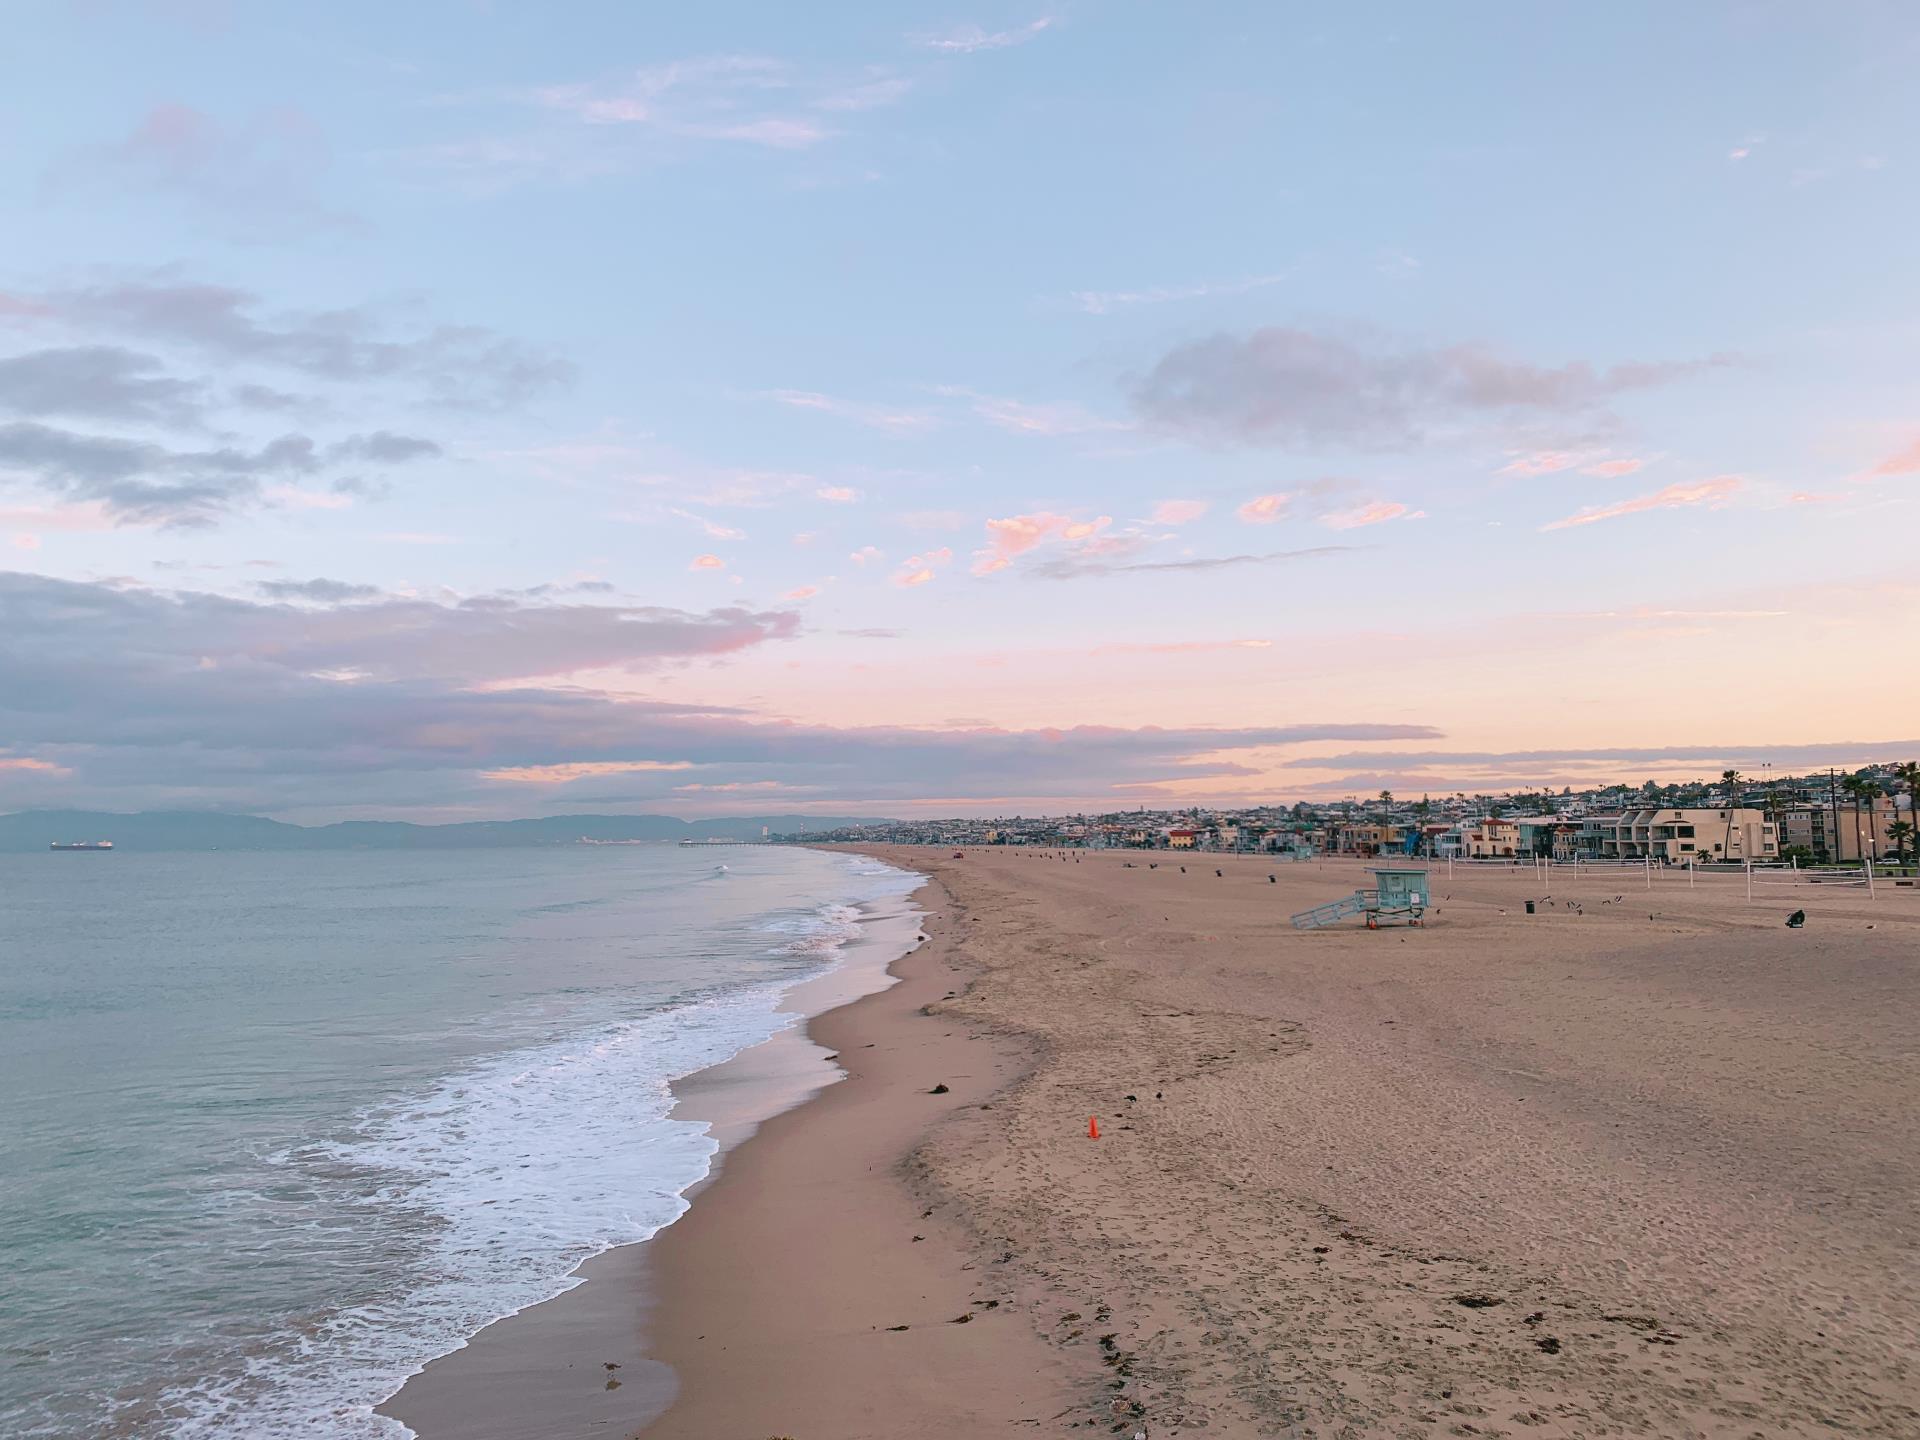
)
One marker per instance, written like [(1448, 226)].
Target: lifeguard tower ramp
[(1399, 896)]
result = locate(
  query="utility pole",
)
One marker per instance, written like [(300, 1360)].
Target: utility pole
[(1833, 802)]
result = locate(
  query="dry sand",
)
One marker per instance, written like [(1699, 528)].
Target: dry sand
[(1642, 1167), (1647, 1169)]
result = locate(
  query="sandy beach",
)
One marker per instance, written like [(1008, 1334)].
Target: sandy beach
[(1641, 1163)]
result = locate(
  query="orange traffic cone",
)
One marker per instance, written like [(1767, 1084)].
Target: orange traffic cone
[(1093, 1127)]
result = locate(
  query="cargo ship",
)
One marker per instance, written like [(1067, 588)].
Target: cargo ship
[(81, 845)]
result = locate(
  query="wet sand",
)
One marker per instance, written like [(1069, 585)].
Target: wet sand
[(1646, 1166), (577, 1365)]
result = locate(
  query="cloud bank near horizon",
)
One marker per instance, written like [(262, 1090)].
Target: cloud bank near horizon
[(323, 695)]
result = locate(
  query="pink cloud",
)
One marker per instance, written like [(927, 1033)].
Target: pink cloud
[(803, 592), (1378, 513), (1713, 493), (569, 771), (707, 562), (1907, 462), (1264, 509), (1178, 512), (919, 569), (874, 417), (866, 554), (1552, 462), (1612, 469), (1541, 462), (712, 527), (27, 762), (26, 541), (837, 494), (1015, 535)]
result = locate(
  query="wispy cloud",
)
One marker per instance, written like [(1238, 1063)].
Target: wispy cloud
[(971, 39), (919, 569), (874, 417), (1026, 418), (1379, 512), (1712, 493), (871, 94), (1106, 302), (710, 527), (1613, 469), (1011, 536), (567, 772), (99, 382), (456, 365), (1179, 512), (1291, 387), (1906, 462), (1264, 509), (259, 173), (746, 98), (1552, 462), (1084, 567)]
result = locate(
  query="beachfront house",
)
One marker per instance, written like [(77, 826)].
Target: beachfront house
[(1680, 836), (1490, 838)]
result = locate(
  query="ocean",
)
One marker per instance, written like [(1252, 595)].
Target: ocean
[(276, 1129)]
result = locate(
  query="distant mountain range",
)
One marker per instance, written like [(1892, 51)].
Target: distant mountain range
[(202, 830)]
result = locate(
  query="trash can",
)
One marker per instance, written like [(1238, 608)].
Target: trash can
[(1529, 907)]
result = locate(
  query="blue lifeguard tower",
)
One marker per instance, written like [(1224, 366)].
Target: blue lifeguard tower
[(1398, 896)]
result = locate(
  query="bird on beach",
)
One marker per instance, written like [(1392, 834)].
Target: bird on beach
[(1796, 920)]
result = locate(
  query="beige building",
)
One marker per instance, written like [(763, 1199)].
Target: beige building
[(1679, 836), (1490, 839), (1837, 833)]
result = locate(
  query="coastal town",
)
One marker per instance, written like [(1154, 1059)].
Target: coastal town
[(1829, 818)]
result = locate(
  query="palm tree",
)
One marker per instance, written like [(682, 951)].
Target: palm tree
[(1860, 789), (1900, 831), (1729, 778), (1909, 775)]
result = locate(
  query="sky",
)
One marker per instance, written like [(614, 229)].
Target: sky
[(455, 410)]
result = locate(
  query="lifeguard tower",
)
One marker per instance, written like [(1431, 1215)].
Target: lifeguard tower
[(1398, 896)]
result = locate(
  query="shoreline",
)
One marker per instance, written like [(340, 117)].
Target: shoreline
[(1627, 1164), (815, 1289), (577, 1363)]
